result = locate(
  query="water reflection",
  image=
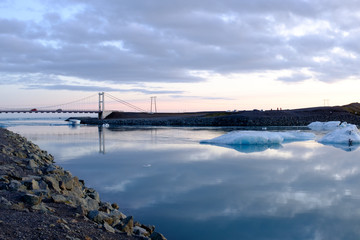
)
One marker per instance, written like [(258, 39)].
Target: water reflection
[(163, 176), (101, 139), (248, 148), (346, 147)]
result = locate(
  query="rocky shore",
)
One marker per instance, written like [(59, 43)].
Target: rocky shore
[(40, 200)]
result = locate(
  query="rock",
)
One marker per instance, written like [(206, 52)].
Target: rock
[(40, 207), (141, 231), (157, 236), (150, 229), (15, 185), (19, 207), (31, 199), (100, 217), (89, 203), (92, 193), (31, 184), (105, 207), (115, 206), (4, 178), (43, 193), (58, 198), (52, 183), (108, 228), (127, 225), (116, 214), (4, 203), (32, 165)]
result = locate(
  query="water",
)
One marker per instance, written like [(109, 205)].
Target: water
[(163, 176)]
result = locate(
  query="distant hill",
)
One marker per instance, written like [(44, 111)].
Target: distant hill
[(353, 108)]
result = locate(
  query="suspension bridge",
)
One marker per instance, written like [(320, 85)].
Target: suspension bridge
[(91, 104)]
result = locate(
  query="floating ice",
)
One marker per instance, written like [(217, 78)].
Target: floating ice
[(259, 137), (344, 135), (326, 126)]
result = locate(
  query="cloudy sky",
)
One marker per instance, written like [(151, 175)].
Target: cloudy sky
[(192, 55)]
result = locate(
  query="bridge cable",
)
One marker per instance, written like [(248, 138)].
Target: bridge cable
[(68, 103), (126, 103)]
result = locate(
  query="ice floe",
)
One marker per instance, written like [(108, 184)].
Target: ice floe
[(326, 126), (259, 137), (343, 135)]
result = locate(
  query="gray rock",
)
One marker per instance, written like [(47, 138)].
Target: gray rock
[(58, 198), (116, 214), (105, 207), (31, 199), (31, 184), (157, 236), (108, 228), (19, 207), (141, 231), (127, 225), (32, 165), (16, 186), (89, 203), (52, 183), (100, 217), (40, 207), (4, 203)]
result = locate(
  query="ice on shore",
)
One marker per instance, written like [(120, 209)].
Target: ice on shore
[(347, 135), (259, 138)]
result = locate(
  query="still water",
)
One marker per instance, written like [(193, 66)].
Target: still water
[(164, 177)]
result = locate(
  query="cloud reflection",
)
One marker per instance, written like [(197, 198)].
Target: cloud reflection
[(299, 186), (248, 148)]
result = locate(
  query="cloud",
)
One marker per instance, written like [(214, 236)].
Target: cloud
[(161, 41), (98, 89)]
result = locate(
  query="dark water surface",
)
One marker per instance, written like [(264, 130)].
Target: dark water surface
[(164, 177)]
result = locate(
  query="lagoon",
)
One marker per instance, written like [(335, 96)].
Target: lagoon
[(165, 177)]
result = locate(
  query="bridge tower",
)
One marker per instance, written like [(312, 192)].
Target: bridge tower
[(153, 102), (101, 105)]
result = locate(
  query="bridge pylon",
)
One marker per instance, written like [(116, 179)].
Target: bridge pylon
[(101, 105)]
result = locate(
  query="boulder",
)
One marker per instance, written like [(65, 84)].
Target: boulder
[(32, 165), (127, 225), (108, 228), (141, 231), (31, 184), (100, 217), (31, 199), (52, 183), (15, 185)]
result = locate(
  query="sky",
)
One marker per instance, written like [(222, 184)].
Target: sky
[(192, 55)]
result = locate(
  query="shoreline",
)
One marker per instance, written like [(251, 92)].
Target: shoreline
[(254, 118), (40, 200)]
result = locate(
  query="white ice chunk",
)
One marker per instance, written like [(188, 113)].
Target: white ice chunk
[(344, 135), (325, 126), (259, 137)]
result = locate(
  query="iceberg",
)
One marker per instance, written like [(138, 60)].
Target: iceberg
[(348, 135), (326, 126), (259, 138)]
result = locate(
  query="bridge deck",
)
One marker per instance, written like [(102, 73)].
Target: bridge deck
[(48, 111)]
